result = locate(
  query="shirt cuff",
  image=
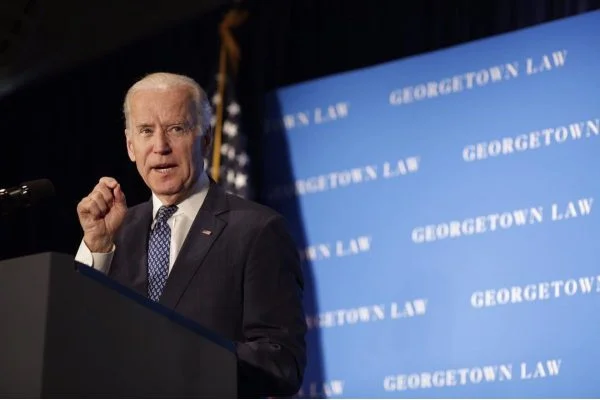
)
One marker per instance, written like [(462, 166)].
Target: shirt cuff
[(98, 261)]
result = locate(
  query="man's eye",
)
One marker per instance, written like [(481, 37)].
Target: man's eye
[(178, 129), (145, 131)]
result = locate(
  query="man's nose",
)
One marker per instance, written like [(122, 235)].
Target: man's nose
[(161, 142)]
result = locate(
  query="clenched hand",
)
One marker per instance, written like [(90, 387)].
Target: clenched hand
[(101, 213)]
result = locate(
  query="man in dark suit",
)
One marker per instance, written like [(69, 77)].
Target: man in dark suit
[(227, 263)]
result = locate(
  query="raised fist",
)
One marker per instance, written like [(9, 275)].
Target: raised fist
[(101, 214)]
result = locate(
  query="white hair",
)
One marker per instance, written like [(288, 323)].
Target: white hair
[(165, 80)]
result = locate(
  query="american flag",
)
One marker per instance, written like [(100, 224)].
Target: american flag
[(234, 163)]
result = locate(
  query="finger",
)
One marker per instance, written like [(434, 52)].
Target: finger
[(119, 195), (98, 200), (82, 207), (105, 192), (87, 207), (94, 210), (108, 181)]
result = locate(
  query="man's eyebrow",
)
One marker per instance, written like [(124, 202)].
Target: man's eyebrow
[(143, 126)]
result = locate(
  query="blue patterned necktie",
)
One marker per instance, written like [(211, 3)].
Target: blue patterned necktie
[(159, 246)]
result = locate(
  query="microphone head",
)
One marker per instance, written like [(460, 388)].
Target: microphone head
[(38, 190)]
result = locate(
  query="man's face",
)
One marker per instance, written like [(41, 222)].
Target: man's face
[(163, 143)]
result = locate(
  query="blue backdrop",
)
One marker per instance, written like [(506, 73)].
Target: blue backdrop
[(445, 210)]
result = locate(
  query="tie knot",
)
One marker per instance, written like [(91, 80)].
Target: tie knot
[(164, 213)]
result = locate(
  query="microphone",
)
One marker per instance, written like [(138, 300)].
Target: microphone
[(25, 195)]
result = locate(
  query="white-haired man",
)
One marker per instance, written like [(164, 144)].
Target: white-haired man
[(227, 263)]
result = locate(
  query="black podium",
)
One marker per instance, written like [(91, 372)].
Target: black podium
[(68, 331)]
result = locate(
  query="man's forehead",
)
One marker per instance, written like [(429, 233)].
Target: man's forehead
[(160, 102), (173, 95)]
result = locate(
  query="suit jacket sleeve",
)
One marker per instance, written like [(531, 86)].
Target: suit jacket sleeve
[(272, 358)]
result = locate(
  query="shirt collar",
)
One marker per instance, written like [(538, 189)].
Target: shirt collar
[(190, 205)]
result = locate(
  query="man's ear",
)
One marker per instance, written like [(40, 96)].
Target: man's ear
[(207, 140), (129, 145)]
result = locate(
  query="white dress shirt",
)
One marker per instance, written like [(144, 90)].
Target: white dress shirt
[(180, 223)]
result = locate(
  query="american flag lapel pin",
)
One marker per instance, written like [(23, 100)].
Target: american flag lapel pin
[(206, 232)]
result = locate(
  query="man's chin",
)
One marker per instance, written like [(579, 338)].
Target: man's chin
[(166, 189)]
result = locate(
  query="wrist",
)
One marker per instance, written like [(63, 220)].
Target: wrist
[(99, 245)]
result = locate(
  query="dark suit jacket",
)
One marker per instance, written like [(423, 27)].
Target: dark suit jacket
[(243, 281)]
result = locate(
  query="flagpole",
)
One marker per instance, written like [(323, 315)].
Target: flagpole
[(229, 51)]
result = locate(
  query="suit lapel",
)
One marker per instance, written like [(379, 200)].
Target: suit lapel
[(205, 230), (136, 237)]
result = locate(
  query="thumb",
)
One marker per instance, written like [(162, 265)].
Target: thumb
[(120, 197)]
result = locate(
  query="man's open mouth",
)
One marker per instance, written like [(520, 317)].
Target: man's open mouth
[(164, 168)]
